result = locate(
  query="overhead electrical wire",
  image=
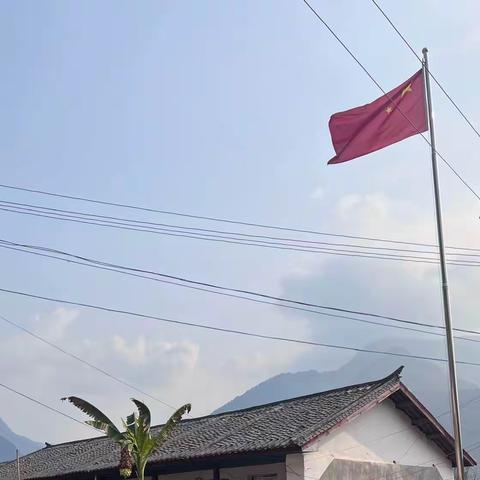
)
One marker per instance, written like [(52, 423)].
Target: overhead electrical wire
[(199, 233), (189, 229), (240, 234), (372, 78), (470, 447), (135, 222), (434, 78), (212, 288), (202, 283), (226, 220), (52, 409), (241, 241), (244, 333), (231, 295), (81, 360), (228, 240)]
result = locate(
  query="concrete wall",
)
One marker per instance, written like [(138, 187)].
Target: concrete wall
[(354, 470), (384, 434)]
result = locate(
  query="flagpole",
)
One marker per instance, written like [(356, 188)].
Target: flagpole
[(443, 267)]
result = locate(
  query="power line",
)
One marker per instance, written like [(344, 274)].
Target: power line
[(231, 331), (226, 220), (292, 307), (360, 64), (252, 293), (207, 284), (239, 241), (135, 222), (208, 287), (52, 409), (81, 360), (245, 333), (225, 235), (220, 239), (180, 228), (409, 46)]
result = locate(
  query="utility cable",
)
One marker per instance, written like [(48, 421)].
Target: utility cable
[(81, 360), (263, 244), (409, 46), (48, 407), (210, 288), (360, 64), (226, 220), (179, 228), (244, 333)]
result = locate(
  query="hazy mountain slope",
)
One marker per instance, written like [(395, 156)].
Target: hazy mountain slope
[(10, 441), (428, 380), (7, 450)]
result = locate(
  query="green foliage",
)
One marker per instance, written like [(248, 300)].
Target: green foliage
[(99, 419), (137, 439)]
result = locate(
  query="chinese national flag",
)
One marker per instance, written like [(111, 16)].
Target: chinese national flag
[(395, 116)]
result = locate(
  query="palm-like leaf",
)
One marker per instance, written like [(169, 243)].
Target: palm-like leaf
[(137, 439), (86, 407), (99, 419), (143, 411), (130, 420), (170, 425), (98, 425)]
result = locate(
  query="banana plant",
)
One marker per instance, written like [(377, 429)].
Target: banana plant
[(136, 440)]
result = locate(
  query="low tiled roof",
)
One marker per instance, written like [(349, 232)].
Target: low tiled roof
[(285, 425)]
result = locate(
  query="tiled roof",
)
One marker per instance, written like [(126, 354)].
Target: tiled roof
[(284, 425)]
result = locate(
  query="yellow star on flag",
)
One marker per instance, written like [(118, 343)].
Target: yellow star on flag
[(407, 89), (389, 109)]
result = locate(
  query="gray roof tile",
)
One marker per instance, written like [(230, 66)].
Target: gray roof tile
[(287, 424)]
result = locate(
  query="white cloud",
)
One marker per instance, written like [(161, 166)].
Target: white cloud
[(55, 325), (398, 288), (143, 352), (208, 369), (207, 373), (368, 209)]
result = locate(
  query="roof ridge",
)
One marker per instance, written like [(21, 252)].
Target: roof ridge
[(381, 383), (395, 373)]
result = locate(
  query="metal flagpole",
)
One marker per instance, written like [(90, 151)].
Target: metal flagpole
[(443, 267)]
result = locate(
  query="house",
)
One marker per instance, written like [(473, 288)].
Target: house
[(372, 431)]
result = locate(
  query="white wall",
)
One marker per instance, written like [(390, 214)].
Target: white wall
[(383, 434)]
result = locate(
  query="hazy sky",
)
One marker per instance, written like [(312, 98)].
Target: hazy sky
[(216, 108)]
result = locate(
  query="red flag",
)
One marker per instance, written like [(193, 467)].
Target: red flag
[(395, 116)]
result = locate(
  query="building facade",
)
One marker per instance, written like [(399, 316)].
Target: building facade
[(372, 431)]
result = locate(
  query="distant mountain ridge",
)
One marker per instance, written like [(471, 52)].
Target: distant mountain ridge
[(10, 441), (426, 379)]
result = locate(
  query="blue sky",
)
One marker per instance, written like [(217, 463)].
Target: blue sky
[(216, 108)]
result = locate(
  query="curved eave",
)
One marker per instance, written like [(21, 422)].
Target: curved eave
[(421, 418)]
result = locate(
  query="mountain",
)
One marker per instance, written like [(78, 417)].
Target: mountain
[(427, 379), (10, 441), (8, 450)]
